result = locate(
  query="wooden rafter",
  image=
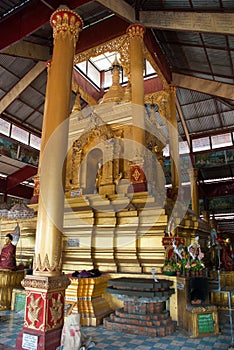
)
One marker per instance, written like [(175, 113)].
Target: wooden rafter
[(203, 22), (21, 85), (206, 86)]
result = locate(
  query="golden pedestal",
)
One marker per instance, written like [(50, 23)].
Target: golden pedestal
[(198, 320), (202, 321), (85, 295), (220, 295), (220, 298), (8, 281)]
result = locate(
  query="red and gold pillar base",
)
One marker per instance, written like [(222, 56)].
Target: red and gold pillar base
[(44, 312)]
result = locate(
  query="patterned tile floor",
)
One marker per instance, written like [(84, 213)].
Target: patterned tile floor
[(12, 322)]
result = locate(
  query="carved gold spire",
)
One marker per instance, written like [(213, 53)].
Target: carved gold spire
[(128, 93), (77, 105), (116, 91)]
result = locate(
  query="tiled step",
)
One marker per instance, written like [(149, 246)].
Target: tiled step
[(144, 311), (151, 331), (5, 347), (142, 320), (120, 313)]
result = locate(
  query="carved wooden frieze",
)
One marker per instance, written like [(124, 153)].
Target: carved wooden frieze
[(46, 283)]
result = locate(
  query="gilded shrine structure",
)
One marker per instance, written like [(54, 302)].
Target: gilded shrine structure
[(117, 208)]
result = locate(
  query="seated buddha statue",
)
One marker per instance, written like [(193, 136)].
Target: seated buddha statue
[(7, 256)]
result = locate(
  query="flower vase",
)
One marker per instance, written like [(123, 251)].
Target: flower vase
[(187, 273), (177, 273), (193, 273)]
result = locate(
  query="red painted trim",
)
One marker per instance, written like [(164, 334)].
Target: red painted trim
[(157, 55), (20, 175), (24, 22), (29, 19), (100, 33), (21, 192), (84, 83), (217, 189), (18, 191), (153, 85)]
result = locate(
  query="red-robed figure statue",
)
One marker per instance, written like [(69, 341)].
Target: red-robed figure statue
[(7, 257)]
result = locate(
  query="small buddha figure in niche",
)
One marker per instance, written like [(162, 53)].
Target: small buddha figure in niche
[(98, 176), (7, 256)]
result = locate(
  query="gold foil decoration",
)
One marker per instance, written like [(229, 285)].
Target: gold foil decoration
[(47, 266), (34, 310), (65, 20), (56, 310), (136, 30)]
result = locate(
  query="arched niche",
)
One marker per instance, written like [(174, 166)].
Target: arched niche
[(93, 164)]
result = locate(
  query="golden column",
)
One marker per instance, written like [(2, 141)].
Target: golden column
[(174, 141), (66, 26), (136, 34), (137, 131), (193, 173), (36, 178), (45, 289)]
